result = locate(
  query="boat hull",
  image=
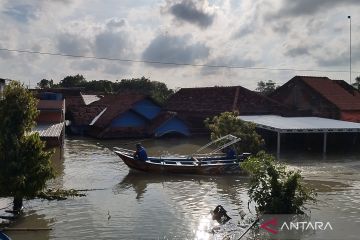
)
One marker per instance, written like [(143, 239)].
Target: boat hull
[(162, 167), (3, 236)]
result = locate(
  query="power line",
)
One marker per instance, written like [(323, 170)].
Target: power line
[(171, 63)]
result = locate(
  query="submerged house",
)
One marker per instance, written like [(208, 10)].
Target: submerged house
[(194, 105), (73, 96), (125, 115), (50, 123), (320, 97), (74, 99)]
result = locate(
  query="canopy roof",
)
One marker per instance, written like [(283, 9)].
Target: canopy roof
[(49, 130), (301, 124)]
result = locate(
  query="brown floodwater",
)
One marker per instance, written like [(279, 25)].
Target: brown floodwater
[(125, 205)]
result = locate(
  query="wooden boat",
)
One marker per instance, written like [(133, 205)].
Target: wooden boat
[(212, 163)]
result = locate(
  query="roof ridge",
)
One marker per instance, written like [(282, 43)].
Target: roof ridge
[(307, 76), (235, 86)]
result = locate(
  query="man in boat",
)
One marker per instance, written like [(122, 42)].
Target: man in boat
[(230, 153), (140, 153)]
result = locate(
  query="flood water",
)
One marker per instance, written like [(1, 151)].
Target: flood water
[(125, 205)]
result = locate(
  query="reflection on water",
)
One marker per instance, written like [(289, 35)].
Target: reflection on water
[(132, 205), (204, 228), (221, 185), (32, 220)]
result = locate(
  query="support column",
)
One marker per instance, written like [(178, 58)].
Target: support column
[(278, 145), (324, 143)]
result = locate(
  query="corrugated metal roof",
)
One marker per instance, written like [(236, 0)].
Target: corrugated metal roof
[(90, 98), (301, 124), (49, 130)]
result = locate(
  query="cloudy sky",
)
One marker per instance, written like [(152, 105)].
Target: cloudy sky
[(254, 36)]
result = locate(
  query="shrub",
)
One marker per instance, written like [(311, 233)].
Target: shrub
[(229, 123), (275, 189)]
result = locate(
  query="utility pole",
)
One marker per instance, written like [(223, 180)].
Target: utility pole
[(349, 17)]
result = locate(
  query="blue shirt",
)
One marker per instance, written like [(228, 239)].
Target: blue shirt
[(230, 154), (141, 154)]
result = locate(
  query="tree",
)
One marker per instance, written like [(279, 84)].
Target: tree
[(24, 164), (229, 123), (103, 86), (356, 84), (275, 189), (160, 92), (157, 90), (266, 88), (44, 83), (73, 81)]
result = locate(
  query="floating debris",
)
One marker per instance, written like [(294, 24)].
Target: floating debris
[(219, 214), (109, 216), (59, 194)]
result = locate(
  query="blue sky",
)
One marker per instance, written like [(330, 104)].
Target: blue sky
[(295, 34)]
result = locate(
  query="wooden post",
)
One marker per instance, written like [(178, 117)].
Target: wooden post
[(278, 145), (324, 143)]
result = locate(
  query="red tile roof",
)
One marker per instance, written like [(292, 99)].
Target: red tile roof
[(115, 104), (85, 114), (221, 99), (337, 92), (74, 102), (209, 99), (50, 104)]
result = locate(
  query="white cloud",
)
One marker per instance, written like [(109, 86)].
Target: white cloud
[(256, 33)]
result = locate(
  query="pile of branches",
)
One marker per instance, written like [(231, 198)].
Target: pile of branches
[(59, 194)]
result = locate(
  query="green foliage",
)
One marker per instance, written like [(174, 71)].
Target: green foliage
[(18, 111), (102, 86), (229, 123), (44, 83), (266, 87), (73, 81), (157, 90), (273, 188), (24, 165), (356, 84)]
